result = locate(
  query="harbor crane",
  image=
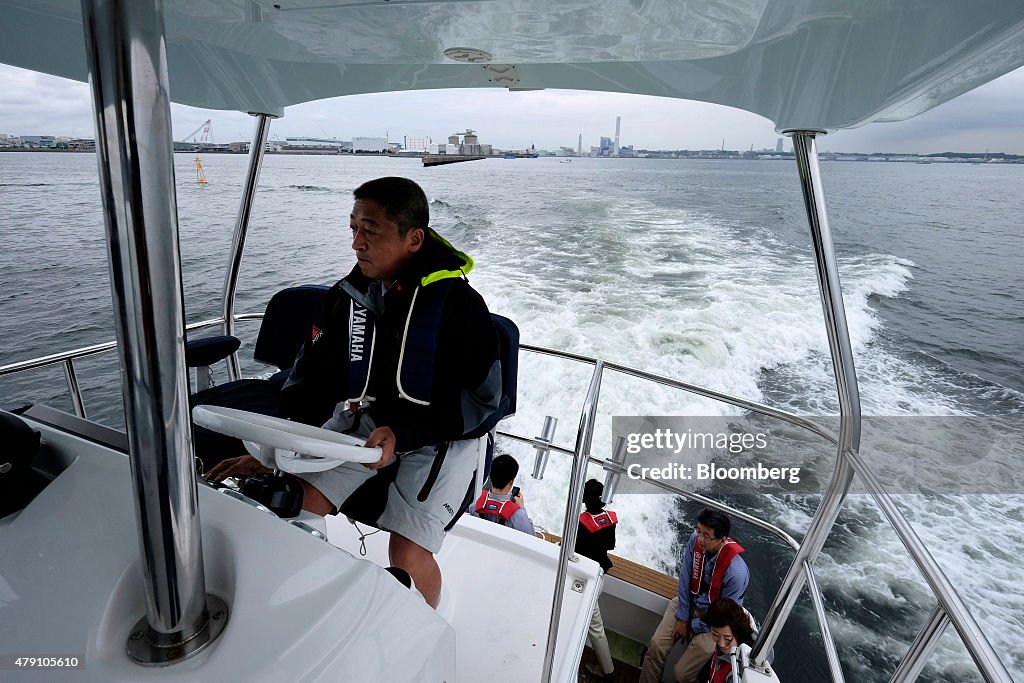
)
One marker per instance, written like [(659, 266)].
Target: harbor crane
[(195, 136)]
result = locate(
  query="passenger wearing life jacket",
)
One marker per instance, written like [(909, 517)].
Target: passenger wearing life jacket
[(731, 626), (497, 503), (711, 569), (595, 536)]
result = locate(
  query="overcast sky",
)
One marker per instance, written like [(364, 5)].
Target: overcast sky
[(990, 117)]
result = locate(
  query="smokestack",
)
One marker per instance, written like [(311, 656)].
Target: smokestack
[(579, 145), (618, 124)]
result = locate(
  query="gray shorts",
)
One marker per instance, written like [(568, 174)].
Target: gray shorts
[(421, 521)]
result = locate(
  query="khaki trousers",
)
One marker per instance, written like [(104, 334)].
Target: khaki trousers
[(695, 656), (599, 642)]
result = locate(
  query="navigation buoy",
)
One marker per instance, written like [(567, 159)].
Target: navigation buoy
[(200, 176)]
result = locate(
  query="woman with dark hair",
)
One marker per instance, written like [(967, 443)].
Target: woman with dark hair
[(731, 626), (595, 536)]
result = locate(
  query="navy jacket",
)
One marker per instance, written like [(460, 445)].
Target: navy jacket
[(466, 385)]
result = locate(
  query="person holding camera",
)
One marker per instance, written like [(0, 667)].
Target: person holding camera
[(502, 502)]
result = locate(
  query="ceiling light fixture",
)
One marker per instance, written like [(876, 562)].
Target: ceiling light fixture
[(468, 55)]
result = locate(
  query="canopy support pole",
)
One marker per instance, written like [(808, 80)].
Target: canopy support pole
[(126, 53), (252, 176), (841, 350)]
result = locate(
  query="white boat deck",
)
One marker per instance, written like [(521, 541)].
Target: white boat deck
[(497, 595), (71, 584)]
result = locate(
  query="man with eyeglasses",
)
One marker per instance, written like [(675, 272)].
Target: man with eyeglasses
[(711, 569)]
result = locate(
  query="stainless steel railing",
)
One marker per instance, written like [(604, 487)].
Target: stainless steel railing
[(950, 608), (257, 149), (68, 358), (584, 437)]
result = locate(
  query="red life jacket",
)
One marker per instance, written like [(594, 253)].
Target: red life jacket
[(594, 523), (725, 556), (488, 508), (720, 668)]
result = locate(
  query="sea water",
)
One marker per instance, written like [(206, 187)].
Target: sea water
[(697, 270)]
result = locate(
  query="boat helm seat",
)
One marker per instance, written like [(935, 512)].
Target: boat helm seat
[(286, 323), (508, 356), (285, 326)]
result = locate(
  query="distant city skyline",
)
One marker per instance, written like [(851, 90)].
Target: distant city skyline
[(990, 117)]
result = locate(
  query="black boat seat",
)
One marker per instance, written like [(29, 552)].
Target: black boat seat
[(508, 355), (206, 351), (287, 322)]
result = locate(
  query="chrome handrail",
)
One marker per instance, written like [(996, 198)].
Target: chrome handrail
[(950, 603), (76, 391), (126, 56), (93, 349), (668, 488), (922, 647), (583, 457), (56, 358), (584, 437), (67, 358), (841, 353), (831, 653), (696, 389), (981, 651)]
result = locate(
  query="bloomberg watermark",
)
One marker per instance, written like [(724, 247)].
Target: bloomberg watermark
[(713, 472), (758, 454), (697, 452)]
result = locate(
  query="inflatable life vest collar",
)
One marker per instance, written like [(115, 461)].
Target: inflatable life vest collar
[(602, 520), (488, 507), (360, 360), (726, 554), (401, 353)]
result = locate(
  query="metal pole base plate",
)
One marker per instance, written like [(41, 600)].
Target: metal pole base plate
[(149, 648)]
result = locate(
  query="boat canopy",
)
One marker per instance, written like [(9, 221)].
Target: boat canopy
[(803, 64)]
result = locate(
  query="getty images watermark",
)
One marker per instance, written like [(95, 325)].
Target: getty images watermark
[(698, 452), (754, 453)]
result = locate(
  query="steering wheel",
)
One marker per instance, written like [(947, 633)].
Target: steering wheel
[(296, 447)]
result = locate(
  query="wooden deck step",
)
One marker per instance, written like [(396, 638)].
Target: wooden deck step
[(634, 573), (644, 577)]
